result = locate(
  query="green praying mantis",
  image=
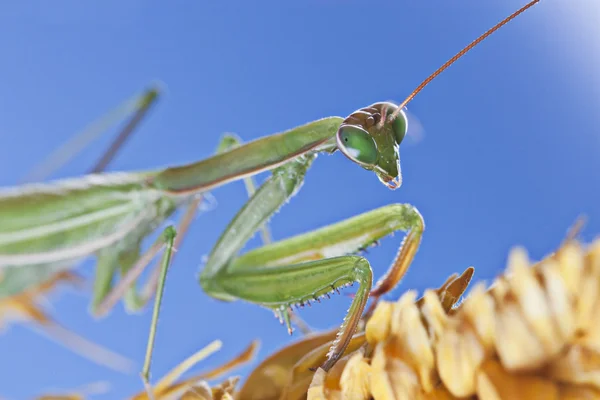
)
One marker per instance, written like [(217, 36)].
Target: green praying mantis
[(46, 228)]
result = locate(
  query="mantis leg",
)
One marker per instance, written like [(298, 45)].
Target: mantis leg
[(309, 266), (168, 237), (281, 287), (144, 106), (139, 106), (228, 142), (262, 273)]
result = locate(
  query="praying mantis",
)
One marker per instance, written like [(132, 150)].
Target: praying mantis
[(50, 227)]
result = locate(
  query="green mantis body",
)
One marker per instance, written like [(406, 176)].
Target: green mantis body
[(49, 227), (110, 214)]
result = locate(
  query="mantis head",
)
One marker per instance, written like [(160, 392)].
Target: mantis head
[(371, 138)]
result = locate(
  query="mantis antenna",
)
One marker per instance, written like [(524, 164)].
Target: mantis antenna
[(459, 55)]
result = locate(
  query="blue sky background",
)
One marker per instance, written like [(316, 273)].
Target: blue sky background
[(509, 153)]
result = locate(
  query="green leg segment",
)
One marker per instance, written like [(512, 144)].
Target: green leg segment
[(306, 267), (103, 283), (228, 142), (133, 300), (168, 237)]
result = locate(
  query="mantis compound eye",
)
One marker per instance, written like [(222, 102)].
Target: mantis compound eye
[(399, 125), (357, 145)]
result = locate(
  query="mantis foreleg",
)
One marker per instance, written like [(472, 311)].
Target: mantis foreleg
[(309, 266), (329, 245)]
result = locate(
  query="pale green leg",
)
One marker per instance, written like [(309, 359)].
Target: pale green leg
[(144, 106), (168, 237), (307, 267), (75, 145), (282, 287), (229, 141), (257, 284)]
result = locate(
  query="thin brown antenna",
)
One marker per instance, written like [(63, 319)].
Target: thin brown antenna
[(459, 55)]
